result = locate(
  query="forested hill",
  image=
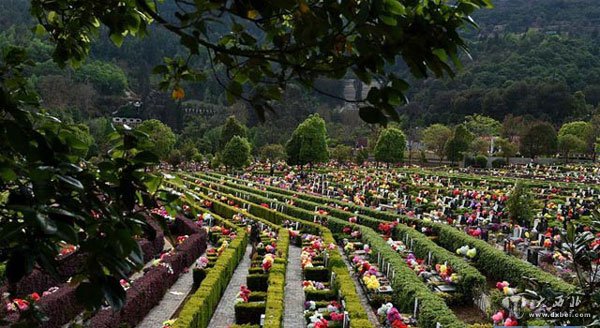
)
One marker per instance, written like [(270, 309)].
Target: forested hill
[(536, 57), (529, 57), (555, 16)]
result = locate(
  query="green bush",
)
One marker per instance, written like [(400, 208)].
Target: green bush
[(257, 296), (249, 313), (199, 308), (320, 295), (199, 275), (257, 282), (317, 274), (498, 163)]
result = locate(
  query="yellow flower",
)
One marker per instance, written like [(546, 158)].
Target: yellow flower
[(178, 93)]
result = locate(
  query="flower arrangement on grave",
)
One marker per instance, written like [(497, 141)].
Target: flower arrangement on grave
[(349, 247), (371, 281), (504, 286), (202, 262), (125, 284), (415, 264), (17, 305), (347, 230), (270, 249), (386, 228), (310, 305), (466, 251), (243, 295), (267, 262), (501, 319), (444, 270), (390, 316), (312, 285), (353, 219), (169, 323), (336, 316), (181, 239), (306, 260), (66, 250), (396, 245), (356, 234), (317, 321), (223, 247), (321, 212)]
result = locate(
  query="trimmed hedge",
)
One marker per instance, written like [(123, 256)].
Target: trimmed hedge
[(408, 286), (198, 310), (489, 260), (275, 304), (249, 313), (316, 274), (257, 282), (147, 291), (320, 295), (346, 286), (471, 283)]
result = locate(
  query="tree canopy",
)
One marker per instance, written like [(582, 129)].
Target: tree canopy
[(539, 139), (435, 137), (232, 128), (390, 146), (459, 143), (161, 138), (308, 144), (272, 44), (237, 153)]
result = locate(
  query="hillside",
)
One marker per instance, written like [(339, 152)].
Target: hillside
[(537, 57)]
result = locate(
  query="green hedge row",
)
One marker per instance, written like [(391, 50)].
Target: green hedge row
[(408, 287), (199, 308), (472, 282), (274, 282), (346, 286), (491, 261), (275, 305)]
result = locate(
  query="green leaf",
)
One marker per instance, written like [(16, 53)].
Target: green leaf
[(388, 20), (372, 115), (117, 39), (72, 182), (145, 157), (46, 224), (40, 30), (89, 295), (7, 174), (18, 266), (396, 7)]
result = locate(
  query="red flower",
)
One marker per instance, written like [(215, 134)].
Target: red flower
[(35, 297)]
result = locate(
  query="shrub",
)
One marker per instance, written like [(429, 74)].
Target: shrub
[(257, 282), (316, 274), (257, 296), (498, 163), (320, 295), (249, 313)]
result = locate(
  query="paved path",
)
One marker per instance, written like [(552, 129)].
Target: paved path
[(172, 300), (363, 298), (294, 295), (224, 316)]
